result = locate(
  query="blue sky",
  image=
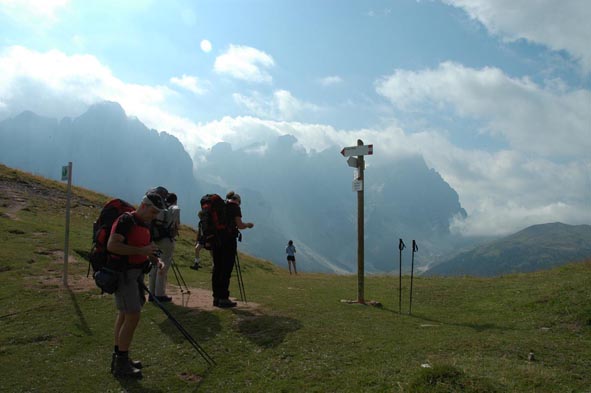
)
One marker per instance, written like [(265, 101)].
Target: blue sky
[(494, 94)]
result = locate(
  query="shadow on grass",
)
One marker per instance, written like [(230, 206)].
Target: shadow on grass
[(133, 385), (200, 326), (479, 327), (82, 325), (266, 331)]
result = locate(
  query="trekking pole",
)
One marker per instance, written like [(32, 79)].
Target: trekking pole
[(239, 277), (177, 274), (180, 327), (401, 247), (415, 248)]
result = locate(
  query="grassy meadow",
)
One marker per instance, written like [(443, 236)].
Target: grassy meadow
[(517, 333)]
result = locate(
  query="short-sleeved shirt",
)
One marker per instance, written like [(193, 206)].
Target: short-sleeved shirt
[(233, 211), (135, 232), (290, 250)]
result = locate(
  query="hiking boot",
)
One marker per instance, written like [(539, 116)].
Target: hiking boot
[(164, 299), (195, 266), (134, 363), (226, 303), (216, 302), (123, 368)]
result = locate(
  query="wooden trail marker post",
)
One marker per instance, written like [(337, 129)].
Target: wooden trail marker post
[(67, 175), (359, 163)]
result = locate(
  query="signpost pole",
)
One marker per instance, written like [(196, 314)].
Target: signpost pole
[(360, 230), (67, 241)]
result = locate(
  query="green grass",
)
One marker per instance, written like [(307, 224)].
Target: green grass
[(474, 334)]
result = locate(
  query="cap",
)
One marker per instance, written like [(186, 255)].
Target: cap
[(154, 200), (162, 191)]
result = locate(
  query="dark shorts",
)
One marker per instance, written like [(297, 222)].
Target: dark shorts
[(291, 258), (129, 297)]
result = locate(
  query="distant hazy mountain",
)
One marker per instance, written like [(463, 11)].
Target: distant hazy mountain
[(289, 193), (535, 248), (112, 153)]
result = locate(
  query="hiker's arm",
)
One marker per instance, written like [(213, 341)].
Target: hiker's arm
[(116, 245), (242, 225)]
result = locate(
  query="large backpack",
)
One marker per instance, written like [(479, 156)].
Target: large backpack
[(214, 221), (162, 227), (103, 270)]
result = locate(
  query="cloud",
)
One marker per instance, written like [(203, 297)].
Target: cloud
[(33, 11), (559, 25), (190, 83), (245, 63), (281, 106), (330, 80), (538, 119), (205, 46), (502, 191)]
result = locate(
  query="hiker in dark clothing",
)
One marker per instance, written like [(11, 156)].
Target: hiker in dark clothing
[(224, 252), (130, 243)]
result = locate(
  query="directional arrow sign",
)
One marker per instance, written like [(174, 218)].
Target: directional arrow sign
[(352, 162), (357, 150)]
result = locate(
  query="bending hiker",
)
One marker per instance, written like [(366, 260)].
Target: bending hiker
[(224, 252), (199, 243), (130, 243), (165, 229), (291, 250)]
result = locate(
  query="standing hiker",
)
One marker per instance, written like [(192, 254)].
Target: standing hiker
[(130, 244), (291, 250), (165, 229), (224, 252)]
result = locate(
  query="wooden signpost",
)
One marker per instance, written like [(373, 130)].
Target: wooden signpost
[(359, 163)]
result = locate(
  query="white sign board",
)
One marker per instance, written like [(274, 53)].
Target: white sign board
[(357, 150), (357, 185)]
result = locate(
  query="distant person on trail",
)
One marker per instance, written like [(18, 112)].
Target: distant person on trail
[(165, 229), (224, 252), (131, 244), (199, 243), (291, 250)]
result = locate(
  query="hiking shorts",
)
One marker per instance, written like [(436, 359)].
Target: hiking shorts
[(291, 258), (129, 297)]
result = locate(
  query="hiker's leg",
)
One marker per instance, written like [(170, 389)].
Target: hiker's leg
[(289, 265), (294, 267), (217, 272), (152, 280), (129, 303), (228, 260), (130, 322), (118, 323), (167, 248)]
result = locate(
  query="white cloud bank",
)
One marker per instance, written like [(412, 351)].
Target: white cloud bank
[(502, 191), (281, 106), (245, 63), (532, 118), (33, 11), (559, 25), (190, 83)]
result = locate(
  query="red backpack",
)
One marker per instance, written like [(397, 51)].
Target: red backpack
[(101, 231), (214, 220)]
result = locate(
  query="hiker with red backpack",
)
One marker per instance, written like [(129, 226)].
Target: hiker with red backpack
[(224, 251), (130, 246)]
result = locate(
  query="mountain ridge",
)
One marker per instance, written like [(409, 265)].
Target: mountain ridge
[(537, 247)]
